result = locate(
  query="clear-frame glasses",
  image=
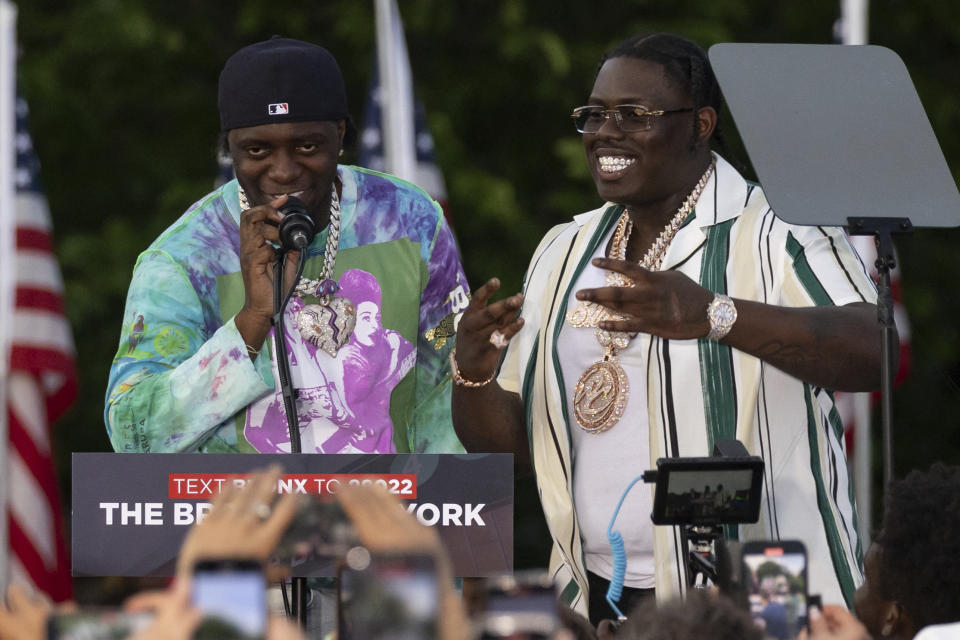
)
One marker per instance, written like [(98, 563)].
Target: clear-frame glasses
[(629, 117)]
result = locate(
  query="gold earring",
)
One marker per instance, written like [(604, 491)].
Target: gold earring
[(341, 152)]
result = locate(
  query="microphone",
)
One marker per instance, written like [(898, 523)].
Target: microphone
[(296, 228)]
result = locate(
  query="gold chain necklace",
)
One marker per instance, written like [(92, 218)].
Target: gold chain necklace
[(600, 395)]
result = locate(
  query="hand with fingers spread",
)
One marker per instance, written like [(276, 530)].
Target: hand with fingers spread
[(25, 615), (662, 303), (245, 522), (484, 330), (487, 418), (384, 526)]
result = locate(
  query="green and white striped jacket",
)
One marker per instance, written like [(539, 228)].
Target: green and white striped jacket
[(700, 391)]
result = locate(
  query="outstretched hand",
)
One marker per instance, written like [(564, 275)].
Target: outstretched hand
[(245, 522), (477, 357), (25, 616), (384, 526), (662, 303), (834, 623)]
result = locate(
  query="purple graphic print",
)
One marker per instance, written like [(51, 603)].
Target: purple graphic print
[(343, 403)]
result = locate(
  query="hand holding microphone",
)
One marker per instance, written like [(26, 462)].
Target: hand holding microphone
[(297, 228), (265, 231)]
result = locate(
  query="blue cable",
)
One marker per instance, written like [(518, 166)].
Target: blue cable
[(619, 553)]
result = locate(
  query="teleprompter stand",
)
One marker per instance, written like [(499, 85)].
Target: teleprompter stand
[(882, 229), (838, 136)]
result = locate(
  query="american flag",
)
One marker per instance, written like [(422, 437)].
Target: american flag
[(40, 383), (426, 174)]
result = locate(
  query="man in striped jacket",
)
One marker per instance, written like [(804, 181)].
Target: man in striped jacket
[(682, 312)]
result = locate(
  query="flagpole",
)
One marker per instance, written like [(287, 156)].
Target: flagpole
[(397, 92), (8, 157), (854, 24), (855, 21)]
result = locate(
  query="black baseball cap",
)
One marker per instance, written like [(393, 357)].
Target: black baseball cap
[(280, 80)]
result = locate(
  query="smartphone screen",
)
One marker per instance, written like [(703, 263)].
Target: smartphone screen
[(232, 596), (320, 529), (93, 624), (775, 577), (391, 597), (520, 606)]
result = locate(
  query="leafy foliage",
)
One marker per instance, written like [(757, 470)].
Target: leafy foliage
[(123, 97)]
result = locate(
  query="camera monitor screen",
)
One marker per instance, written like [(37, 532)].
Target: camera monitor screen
[(704, 491)]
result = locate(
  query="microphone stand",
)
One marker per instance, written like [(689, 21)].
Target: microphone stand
[(299, 595)]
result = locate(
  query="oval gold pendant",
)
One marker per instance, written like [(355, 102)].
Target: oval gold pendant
[(601, 396)]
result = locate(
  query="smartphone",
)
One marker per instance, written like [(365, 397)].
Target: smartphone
[(520, 606), (391, 596), (775, 580), (96, 624), (231, 594), (320, 530)]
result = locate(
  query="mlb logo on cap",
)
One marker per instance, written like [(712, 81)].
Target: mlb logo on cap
[(278, 109)]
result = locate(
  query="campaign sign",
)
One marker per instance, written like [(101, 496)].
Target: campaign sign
[(132, 511)]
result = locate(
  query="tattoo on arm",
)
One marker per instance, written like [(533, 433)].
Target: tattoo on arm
[(781, 354)]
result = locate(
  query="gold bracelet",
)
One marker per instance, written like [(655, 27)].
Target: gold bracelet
[(253, 353), (459, 380)]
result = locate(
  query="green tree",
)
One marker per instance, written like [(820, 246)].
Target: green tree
[(123, 98)]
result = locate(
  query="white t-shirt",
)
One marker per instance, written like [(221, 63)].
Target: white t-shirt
[(605, 463), (939, 632)]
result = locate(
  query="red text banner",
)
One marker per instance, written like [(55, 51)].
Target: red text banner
[(204, 486)]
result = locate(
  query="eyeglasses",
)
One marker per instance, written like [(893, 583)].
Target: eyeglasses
[(629, 117)]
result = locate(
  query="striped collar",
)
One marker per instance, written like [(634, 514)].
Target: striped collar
[(723, 199)]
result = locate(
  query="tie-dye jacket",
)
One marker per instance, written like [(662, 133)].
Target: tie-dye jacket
[(182, 379)]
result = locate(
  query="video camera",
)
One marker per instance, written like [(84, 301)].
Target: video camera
[(701, 495), (703, 492)]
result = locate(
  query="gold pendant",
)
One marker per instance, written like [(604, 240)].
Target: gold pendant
[(601, 395)]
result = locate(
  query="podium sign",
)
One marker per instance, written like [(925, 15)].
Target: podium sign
[(132, 511)]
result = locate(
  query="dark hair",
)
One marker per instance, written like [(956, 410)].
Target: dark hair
[(685, 63), (360, 286), (700, 615), (919, 567)]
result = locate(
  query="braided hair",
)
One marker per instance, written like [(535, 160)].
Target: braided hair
[(685, 63)]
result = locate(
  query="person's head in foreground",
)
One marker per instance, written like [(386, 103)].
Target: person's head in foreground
[(912, 569), (283, 109), (700, 615)]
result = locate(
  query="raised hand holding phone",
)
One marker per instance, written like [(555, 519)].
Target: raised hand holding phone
[(245, 522), (775, 577), (384, 527)]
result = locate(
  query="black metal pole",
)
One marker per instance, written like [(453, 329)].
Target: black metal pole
[(299, 595), (283, 362), (885, 263), (882, 229)]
